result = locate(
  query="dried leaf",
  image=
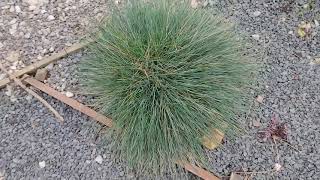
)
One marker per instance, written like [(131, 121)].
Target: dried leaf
[(214, 140), (275, 129)]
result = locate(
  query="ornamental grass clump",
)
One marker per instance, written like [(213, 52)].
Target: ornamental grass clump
[(168, 75)]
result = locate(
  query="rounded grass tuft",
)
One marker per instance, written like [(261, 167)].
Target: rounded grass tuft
[(167, 74)]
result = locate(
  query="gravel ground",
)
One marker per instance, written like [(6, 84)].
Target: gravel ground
[(35, 146), (290, 86)]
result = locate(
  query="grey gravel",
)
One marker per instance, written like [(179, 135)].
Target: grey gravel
[(35, 146), (289, 85)]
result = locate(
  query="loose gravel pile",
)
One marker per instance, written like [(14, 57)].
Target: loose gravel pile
[(33, 145)]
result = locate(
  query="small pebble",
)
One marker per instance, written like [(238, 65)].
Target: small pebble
[(2, 76), (9, 90), (50, 67), (18, 9), (27, 35), (277, 167), (13, 99), (50, 17), (256, 123), (29, 97), (256, 37), (256, 13), (99, 159), (194, 4), (42, 164), (69, 94), (12, 31), (32, 8), (12, 9), (51, 49), (5, 7), (259, 99), (13, 56), (316, 23)]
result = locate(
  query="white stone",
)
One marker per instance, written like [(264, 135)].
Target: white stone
[(316, 23), (290, 32), (50, 66), (11, 9), (5, 7), (256, 37), (12, 31), (18, 9), (23, 23), (14, 26), (27, 35), (35, 2), (51, 17), (13, 99), (99, 159), (42, 164), (29, 97), (51, 49), (32, 8), (259, 99), (2, 76), (63, 86), (1, 45), (13, 21), (13, 56), (69, 94), (15, 63), (277, 167), (9, 90), (256, 13)]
